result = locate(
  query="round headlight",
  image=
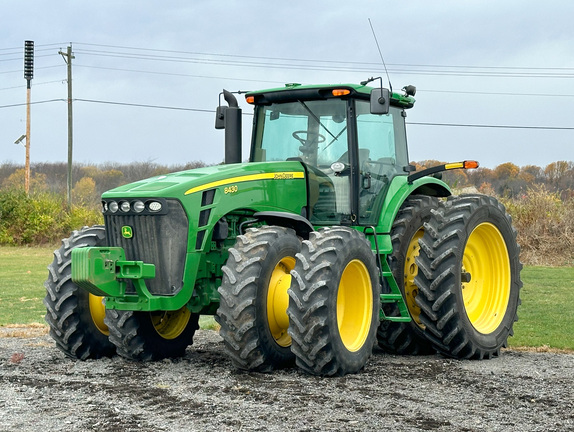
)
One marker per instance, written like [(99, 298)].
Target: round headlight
[(139, 206), (154, 206), (125, 206), (113, 206), (104, 206)]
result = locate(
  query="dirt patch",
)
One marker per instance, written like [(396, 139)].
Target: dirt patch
[(41, 389)]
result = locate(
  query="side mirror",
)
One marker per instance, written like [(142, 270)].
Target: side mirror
[(220, 117), (380, 101), (220, 112)]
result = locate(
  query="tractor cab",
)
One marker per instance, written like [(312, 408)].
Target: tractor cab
[(351, 141)]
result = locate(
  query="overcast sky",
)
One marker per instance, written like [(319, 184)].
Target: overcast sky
[(489, 63)]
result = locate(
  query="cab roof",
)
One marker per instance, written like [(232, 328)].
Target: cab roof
[(295, 92)]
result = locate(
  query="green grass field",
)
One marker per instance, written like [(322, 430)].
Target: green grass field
[(22, 274), (546, 317)]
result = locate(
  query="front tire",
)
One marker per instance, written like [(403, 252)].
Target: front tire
[(469, 277), (334, 302), (76, 317), (253, 302), (149, 336)]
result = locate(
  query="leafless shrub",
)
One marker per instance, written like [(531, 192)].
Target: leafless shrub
[(545, 225)]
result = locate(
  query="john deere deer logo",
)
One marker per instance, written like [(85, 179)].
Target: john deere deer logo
[(127, 232)]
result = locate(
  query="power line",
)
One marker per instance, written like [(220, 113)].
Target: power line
[(491, 126), (178, 74), (318, 67), (485, 67), (213, 111), (33, 103), (144, 105), (282, 82), (496, 93), (35, 84), (35, 68), (338, 61), (456, 70), (36, 46), (21, 53), (339, 65), (111, 103), (279, 82), (22, 57)]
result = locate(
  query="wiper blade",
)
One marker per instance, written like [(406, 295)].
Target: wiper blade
[(317, 119), (335, 138)]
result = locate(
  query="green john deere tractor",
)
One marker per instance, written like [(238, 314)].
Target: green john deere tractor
[(324, 244)]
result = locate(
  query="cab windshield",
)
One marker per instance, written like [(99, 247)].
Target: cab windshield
[(312, 131)]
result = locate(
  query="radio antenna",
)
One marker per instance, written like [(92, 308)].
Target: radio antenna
[(381, 54)]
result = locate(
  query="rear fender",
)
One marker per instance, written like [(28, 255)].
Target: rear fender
[(400, 190)]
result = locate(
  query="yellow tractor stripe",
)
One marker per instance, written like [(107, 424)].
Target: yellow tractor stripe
[(454, 165), (285, 175)]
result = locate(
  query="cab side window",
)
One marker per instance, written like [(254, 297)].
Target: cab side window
[(382, 155)]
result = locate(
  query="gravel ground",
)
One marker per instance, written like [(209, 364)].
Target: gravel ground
[(40, 389)]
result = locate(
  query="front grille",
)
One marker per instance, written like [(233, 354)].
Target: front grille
[(157, 239)]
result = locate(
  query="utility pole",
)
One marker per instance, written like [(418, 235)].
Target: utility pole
[(68, 56), (28, 75)]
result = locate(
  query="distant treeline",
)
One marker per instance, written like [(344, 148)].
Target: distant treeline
[(510, 180), (540, 201), (90, 181)]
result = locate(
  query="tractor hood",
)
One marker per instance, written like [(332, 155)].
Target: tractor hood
[(184, 183), (261, 186), (173, 220)]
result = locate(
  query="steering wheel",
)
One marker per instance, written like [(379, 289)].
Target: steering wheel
[(305, 141)]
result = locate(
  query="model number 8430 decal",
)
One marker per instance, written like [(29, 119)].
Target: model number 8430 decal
[(230, 189)]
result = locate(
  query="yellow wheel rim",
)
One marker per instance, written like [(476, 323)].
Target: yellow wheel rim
[(278, 300), (98, 313), (486, 295), (170, 324), (410, 271), (354, 305)]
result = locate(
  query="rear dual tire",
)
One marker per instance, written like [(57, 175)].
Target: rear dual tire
[(408, 228), (469, 277)]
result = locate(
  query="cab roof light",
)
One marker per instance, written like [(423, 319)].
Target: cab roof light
[(340, 92), (250, 99)]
